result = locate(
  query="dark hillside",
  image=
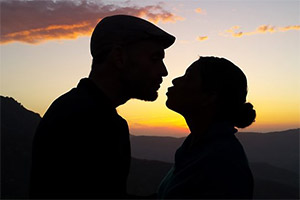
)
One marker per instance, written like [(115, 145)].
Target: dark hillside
[(17, 129)]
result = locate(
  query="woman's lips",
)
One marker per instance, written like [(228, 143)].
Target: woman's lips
[(169, 90)]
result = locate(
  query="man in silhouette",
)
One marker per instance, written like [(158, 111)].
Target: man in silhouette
[(81, 147)]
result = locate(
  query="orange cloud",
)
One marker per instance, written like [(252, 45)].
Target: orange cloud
[(35, 36), (202, 38), (287, 28), (34, 22), (200, 11), (233, 31)]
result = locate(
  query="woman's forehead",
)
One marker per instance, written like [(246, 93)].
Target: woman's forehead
[(193, 67)]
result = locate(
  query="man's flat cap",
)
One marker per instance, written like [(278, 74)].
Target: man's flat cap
[(125, 29)]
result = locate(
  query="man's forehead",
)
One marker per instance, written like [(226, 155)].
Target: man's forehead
[(153, 44), (149, 47)]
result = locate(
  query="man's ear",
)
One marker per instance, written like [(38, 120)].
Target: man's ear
[(117, 56)]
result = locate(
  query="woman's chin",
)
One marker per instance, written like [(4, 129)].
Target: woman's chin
[(171, 106)]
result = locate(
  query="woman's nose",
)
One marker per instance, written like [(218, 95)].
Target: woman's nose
[(175, 80)]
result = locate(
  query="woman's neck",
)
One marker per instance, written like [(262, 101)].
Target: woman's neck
[(199, 126)]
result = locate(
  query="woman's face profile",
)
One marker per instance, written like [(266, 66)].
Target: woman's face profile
[(185, 96)]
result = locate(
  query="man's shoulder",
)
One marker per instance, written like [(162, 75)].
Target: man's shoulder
[(77, 113), (73, 112), (78, 100)]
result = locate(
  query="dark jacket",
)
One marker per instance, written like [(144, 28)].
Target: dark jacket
[(216, 169), (81, 148)]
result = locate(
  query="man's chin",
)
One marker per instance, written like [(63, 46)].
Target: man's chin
[(147, 97)]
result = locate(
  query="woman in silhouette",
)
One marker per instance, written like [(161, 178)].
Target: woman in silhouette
[(211, 163)]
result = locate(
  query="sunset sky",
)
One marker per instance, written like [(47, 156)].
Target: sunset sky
[(45, 52)]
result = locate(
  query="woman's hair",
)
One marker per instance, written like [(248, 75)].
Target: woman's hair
[(221, 77)]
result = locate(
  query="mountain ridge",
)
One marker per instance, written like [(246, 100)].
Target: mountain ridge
[(151, 155)]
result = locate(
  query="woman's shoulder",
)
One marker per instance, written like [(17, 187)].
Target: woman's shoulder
[(227, 148)]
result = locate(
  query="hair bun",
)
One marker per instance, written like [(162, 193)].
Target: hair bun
[(245, 116)]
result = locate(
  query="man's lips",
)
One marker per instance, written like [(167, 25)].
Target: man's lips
[(157, 83)]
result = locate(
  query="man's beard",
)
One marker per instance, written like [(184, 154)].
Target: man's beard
[(140, 90), (138, 87)]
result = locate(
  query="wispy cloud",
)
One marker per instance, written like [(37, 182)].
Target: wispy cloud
[(202, 38), (263, 29), (200, 11), (38, 21), (287, 28)]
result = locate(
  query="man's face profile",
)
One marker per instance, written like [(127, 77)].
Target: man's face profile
[(144, 69)]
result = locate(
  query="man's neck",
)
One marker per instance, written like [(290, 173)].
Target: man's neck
[(112, 89)]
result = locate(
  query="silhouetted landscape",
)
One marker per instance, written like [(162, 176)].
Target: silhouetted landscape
[(273, 157)]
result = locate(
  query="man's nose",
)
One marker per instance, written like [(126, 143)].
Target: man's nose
[(164, 71)]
